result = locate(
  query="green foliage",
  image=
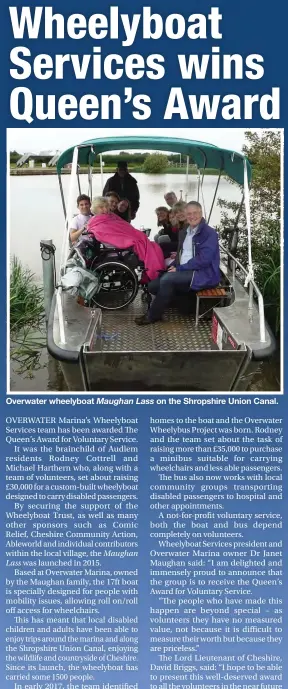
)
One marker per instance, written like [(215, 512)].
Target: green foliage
[(14, 156), (111, 160), (26, 298), (264, 152), (26, 317), (270, 277), (155, 163), (26, 349)]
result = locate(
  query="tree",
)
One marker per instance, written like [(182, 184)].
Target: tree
[(112, 159), (14, 156), (155, 163), (264, 153)]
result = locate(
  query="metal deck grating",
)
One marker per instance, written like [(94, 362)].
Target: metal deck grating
[(176, 332)]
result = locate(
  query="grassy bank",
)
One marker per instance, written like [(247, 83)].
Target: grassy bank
[(26, 318), (38, 170)]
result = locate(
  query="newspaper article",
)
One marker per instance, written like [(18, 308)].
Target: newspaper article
[(144, 384)]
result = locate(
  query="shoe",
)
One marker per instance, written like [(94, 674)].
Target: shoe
[(142, 320)]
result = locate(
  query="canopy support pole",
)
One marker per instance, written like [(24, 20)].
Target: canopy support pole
[(250, 277), (202, 194), (101, 172), (70, 206), (214, 197), (199, 180), (78, 180), (187, 177), (248, 219), (90, 182), (90, 173), (62, 193)]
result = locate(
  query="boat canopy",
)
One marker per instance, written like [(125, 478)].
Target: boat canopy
[(231, 163)]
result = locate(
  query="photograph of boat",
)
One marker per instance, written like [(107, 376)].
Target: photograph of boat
[(209, 339)]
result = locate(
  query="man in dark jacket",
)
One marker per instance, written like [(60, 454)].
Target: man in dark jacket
[(125, 186), (197, 265)]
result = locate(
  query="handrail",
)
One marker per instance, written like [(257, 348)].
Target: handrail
[(65, 243), (257, 291), (69, 210), (60, 315)]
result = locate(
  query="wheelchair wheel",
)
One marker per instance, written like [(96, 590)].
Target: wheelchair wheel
[(118, 285)]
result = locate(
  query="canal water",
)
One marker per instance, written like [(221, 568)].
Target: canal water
[(36, 213)]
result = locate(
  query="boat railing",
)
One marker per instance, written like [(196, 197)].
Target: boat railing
[(61, 321), (252, 287)]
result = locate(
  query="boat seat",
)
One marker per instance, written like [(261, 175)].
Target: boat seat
[(221, 292)]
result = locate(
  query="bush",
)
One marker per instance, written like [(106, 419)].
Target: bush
[(26, 318), (26, 298), (155, 163), (264, 152), (14, 156)]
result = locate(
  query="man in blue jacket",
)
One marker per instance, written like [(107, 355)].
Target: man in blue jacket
[(196, 267)]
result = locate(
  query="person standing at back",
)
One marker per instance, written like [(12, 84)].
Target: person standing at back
[(125, 186), (170, 198)]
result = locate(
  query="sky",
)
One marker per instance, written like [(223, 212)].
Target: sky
[(25, 140)]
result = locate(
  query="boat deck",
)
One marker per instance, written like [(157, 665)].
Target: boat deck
[(177, 332), (119, 355)]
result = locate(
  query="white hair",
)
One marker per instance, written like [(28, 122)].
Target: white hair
[(99, 204)]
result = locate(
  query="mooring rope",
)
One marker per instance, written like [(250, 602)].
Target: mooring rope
[(47, 249)]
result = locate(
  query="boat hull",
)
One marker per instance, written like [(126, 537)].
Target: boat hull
[(213, 371), (107, 351)]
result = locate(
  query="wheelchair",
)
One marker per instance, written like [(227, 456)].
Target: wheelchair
[(120, 275)]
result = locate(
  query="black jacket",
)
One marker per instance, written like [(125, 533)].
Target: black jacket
[(126, 187), (181, 237), (166, 229)]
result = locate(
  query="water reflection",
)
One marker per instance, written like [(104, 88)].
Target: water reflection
[(47, 376)]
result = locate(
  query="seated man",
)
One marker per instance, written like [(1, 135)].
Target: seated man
[(78, 224), (170, 198), (196, 265)]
